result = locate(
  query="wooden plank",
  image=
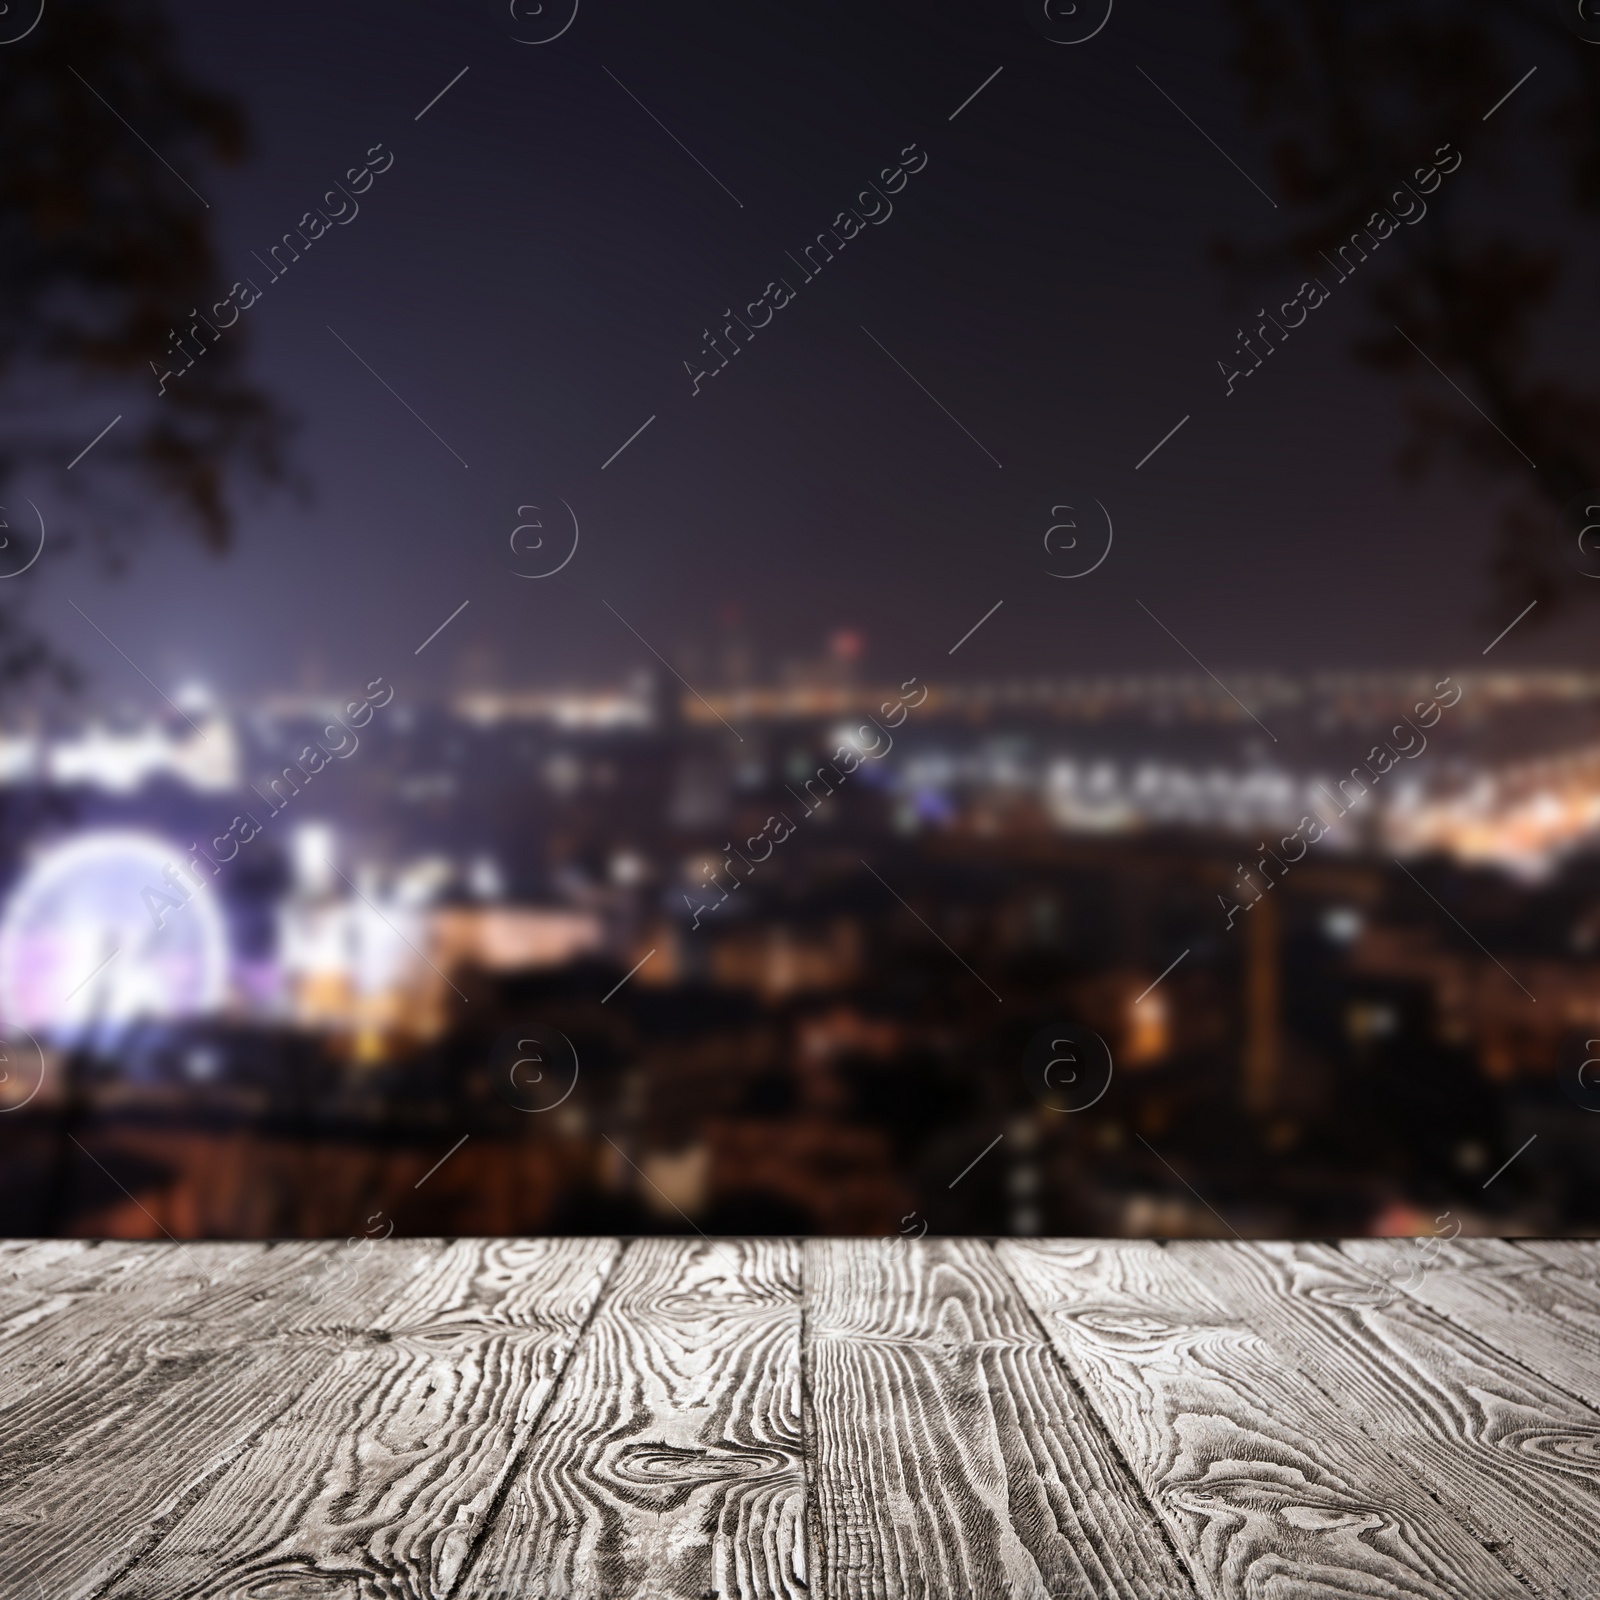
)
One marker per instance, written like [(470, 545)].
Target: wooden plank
[(37, 1271), (57, 1294), (227, 1291), (134, 1372), (54, 1296), (26, 1263), (1513, 1456), (1265, 1485), (670, 1461), (381, 1473), (44, 1286), (1578, 1257), (950, 1454), (1520, 1299)]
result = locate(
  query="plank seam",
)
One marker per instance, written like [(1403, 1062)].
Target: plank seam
[(808, 1429), (491, 1514), (1095, 1419)]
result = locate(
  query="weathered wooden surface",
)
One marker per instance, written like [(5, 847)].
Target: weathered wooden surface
[(483, 1419), (1511, 1454), (1264, 1481), (951, 1454), (1540, 1303), (671, 1463), (131, 1376), (389, 1461)]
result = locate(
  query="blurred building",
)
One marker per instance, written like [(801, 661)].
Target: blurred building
[(769, 1033)]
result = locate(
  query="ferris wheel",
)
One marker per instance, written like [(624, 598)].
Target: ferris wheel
[(102, 931)]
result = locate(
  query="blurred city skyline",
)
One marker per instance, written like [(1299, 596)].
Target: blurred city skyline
[(812, 563), (274, 1027)]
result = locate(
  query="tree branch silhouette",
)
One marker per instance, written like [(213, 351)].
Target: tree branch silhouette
[(1355, 96), (105, 251)]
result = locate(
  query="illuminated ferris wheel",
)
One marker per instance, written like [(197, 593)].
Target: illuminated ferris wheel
[(103, 931)]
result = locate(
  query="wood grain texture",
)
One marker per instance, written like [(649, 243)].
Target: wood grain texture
[(1580, 1257), (1521, 1298), (380, 1475), (133, 1373), (1267, 1487), (55, 1293), (1514, 1457), (670, 1462), (578, 1420), (951, 1455)]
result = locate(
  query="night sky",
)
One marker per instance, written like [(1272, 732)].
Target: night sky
[(536, 267)]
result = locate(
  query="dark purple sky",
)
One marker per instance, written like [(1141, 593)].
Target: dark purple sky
[(540, 260)]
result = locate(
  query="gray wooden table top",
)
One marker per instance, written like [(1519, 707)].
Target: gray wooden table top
[(739, 1418)]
